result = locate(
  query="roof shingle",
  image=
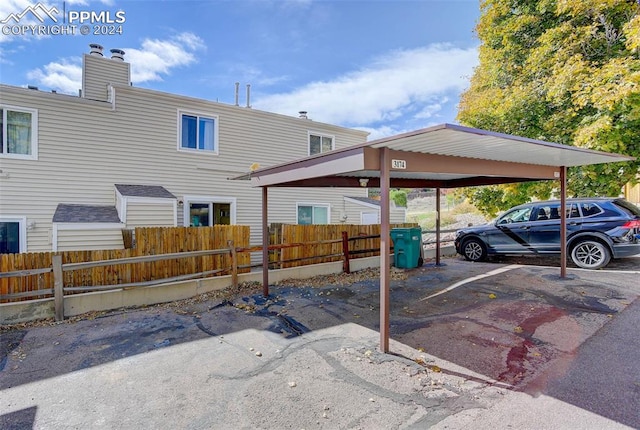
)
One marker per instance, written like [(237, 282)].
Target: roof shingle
[(85, 214), (154, 191)]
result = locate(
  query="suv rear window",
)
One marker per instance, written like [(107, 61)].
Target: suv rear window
[(628, 207), (590, 209)]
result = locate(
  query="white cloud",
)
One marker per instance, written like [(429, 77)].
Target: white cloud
[(431, 109), (158, 57), (149, 63), (64, 76), (405, 82)]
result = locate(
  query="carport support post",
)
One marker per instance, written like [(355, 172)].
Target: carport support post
[(563, 222), (437, 226), (385, 237), (265, 244), (58, 287)]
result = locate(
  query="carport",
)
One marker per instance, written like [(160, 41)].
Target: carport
[(442, 156)]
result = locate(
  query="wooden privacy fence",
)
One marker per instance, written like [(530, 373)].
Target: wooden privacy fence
[(35, 270), (324, 243), (164, 255)]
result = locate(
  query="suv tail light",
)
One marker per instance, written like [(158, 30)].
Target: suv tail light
[(632, 224)]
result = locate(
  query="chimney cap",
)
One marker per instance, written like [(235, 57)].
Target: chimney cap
[(117, 54), (302, 114), (96, 49)]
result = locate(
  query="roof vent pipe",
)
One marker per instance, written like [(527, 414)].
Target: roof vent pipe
[(117, 54), (95, 49), (248, 95), (303, 114), (237, 92)]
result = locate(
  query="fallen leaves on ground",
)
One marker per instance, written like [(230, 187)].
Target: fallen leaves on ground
[(187, 306), (343, 278)]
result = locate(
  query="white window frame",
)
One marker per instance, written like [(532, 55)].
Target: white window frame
[(315, 133), (22, 225), (210, 200), (198, 115), (314, 204), (34, 133)]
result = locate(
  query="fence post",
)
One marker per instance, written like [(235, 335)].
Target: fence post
[(234, 263), (345, 252), (58, 284)]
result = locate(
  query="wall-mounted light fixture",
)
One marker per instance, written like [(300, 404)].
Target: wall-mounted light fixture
[(364, 182), (31, 225)]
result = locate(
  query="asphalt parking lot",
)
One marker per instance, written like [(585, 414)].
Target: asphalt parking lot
[(509, 325)]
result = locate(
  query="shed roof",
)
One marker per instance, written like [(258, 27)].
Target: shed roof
[(154, 191), (75, 213), (367, 200)]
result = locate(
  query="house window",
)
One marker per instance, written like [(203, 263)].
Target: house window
[(313, 214), (197, 132), (13, 235), (205, 212), (19, 132), (319, 143)]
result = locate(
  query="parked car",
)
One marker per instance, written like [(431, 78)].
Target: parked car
[(598, 229)]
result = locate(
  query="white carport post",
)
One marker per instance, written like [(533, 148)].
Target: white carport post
[(385, 237)]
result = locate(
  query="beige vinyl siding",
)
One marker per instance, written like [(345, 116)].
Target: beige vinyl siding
[(632, 193), (86, 146), (149, 215), (87, 239), (353, 210), (100, 72), (397, 215)]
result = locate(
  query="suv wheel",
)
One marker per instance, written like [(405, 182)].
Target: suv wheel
[(474, 250), (590, 254)]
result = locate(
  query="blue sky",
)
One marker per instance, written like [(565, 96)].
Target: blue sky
[(381, 66)]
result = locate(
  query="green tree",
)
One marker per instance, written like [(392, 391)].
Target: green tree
[(565, 71), (399, 197)]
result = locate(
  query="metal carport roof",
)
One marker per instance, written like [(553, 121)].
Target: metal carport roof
[(442, 156)]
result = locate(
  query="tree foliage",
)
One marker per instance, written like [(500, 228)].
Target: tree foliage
[(399, 197), (565, 71)]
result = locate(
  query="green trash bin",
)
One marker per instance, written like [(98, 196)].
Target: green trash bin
[(407, 247)]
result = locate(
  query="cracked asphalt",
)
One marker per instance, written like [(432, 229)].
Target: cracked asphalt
[(498, 350)]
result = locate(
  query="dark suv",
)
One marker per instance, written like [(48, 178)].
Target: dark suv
[(598, 229)]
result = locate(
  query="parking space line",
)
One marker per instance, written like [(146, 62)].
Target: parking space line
[(633, 272), (474, 278)]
